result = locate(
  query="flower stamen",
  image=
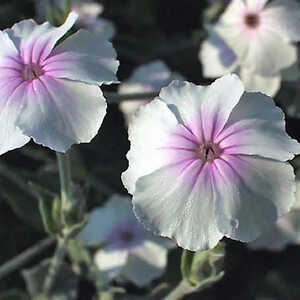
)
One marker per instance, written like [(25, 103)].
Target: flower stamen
[(208, 152), (32, 71), (252, 20)]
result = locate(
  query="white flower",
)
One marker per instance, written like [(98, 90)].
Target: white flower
[(146, 78), (261, 33), (205, 162), (218, 59), (50, 92), (130, 251)]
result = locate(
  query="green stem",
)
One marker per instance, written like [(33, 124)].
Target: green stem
[(55, 266), (64, 168), (23, 258), (182, 289)]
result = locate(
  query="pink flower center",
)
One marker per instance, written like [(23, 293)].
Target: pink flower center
[(252, 20), (32, 71), (208, 152)]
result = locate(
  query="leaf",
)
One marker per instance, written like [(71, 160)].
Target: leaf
[(49, 203)]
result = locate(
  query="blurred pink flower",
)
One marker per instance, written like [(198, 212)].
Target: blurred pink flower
[(209, 161), (130, 250), (50, 93), (261, 34)]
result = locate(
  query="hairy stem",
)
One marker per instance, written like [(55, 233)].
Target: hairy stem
[(55, 266), (64, 168)]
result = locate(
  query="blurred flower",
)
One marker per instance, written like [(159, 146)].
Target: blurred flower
[(130, 250), (219, 59), (150, 77), (88, 12), (50, 93), (260, 34), (209, 161), (285, 232)]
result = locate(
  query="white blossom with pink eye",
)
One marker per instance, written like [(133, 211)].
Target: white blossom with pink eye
[(218, 59), (261, 33), (208, 162), (50, 92)]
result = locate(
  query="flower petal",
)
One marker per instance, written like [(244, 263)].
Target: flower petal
[(283, 18), (8, 48), (199, 105), (58, 113), (257, 83), (37, 41), (256, 4), (156, 74), (266, 54), (177, 202), (145, 263), (251, 194), (84, 57), (11, 94), (256, 127), (216, 57), (111, 262), (233, 11), (155, 121)]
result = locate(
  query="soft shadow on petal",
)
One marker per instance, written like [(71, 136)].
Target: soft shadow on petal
[(177, 201), (251, 194), (216, 57), (184, 99), (84, 57), (257, 83), (58, 113), (111, 262), (145, 263), (256, 127)]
